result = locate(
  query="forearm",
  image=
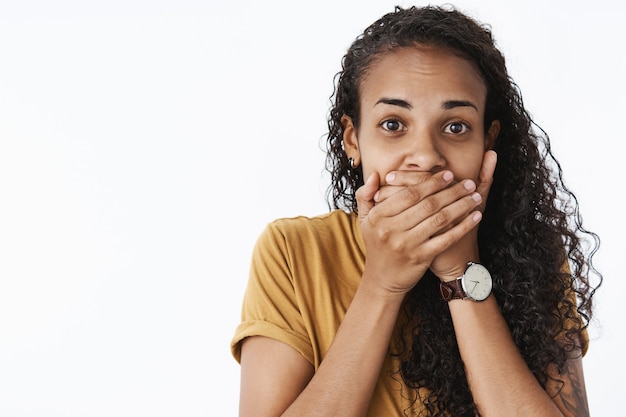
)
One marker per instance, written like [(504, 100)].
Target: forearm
[(499, 379), (344, 383)]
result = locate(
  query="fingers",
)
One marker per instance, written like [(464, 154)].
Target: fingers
[(485, 178), (365, 195), (415, 203), (438, 244), (397, 180), (408, 194), (407, 177), (430, 206), (438, 213), (444, 218)]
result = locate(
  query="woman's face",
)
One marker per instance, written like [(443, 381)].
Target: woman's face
[(422, 109)]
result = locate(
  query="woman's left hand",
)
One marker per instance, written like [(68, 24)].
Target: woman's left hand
[(451, 263)]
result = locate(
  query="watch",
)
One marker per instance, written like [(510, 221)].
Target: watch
[(475, 284)]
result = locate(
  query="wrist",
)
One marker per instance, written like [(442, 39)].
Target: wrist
[(455, 272), (377, 287), (452, 276), (475, 284), (450, 264)]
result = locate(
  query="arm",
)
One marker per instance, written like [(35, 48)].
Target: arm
[(270, 369), (277, 380), (500, 381), (498, 376), (570, 395), (345, 380)]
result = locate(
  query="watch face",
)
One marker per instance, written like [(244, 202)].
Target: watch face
[(477, 282)]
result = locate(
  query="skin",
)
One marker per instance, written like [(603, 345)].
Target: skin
[(428, 164)]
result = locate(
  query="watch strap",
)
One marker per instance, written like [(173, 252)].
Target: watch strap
[(452, 290)]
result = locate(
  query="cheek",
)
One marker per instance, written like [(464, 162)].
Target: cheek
[(376, 162), (466, 165), (473, 169)]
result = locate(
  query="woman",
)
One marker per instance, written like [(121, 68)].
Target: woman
[(450, 278)]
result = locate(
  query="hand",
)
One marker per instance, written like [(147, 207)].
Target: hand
[(451, 263), (407, 223)]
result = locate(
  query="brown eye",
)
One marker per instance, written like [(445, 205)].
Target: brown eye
[(391, 125), (456, 128)]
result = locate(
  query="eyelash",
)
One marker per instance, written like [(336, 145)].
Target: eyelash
[(466, 127), (385, 122)]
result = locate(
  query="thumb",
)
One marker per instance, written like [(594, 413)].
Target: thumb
[(365, 195), (485, 178)]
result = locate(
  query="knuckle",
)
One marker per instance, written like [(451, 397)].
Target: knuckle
[(470, 203), (423, 177), (396, 245), (374, 218), (430, 205), (413, 194), (384, 234), (447, 241), (440, 219), (381, 231), (460, 190)]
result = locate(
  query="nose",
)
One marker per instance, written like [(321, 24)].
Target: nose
[(423, 154)]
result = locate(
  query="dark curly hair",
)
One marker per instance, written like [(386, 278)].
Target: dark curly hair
[(531, 237)]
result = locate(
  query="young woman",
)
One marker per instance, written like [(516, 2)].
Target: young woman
[(451, 276)]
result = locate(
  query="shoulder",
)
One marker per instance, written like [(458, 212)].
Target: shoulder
[(334, 225), (335, 218), (303, 240)]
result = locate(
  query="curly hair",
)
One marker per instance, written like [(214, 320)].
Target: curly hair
[(531, 236)]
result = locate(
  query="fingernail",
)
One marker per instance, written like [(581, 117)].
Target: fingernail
[(447, 176), (390, 177), (477, 197), (477, 216), (376, 196), (469, 185)]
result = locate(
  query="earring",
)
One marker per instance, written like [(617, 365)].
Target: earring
[(351, 162)]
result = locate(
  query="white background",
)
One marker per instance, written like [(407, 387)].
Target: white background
[(145, 144)]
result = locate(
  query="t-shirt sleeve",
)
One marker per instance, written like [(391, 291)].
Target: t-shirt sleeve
[(576, 321), (584, 335), (270, 306)]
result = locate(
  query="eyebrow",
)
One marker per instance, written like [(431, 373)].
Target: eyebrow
[(395, 102), (447, 105), (458, 103)]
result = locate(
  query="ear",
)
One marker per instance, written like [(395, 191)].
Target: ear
[(492, 135), (350, 140)]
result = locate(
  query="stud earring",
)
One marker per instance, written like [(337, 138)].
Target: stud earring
[(351, 162)]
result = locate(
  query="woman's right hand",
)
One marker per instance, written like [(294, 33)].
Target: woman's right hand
[(404, 230)]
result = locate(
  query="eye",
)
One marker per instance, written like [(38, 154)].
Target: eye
[(456, 128), (392, 125)]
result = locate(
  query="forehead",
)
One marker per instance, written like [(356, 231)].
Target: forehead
[(423, 72)]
